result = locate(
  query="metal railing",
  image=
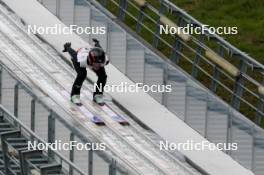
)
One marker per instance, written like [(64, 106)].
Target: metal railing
[(33, 137), (240, 83), (33, 113)]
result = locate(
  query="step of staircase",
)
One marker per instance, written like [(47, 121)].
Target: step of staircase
[(15, 150)]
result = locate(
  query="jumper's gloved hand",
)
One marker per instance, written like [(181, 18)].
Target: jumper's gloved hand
[(107, 62), (95, 40), (66, 46)]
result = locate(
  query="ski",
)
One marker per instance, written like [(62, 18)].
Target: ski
[(107, 109), (84, 111), (113, 115)]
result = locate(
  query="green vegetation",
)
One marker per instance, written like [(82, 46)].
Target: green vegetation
[(247, 15)]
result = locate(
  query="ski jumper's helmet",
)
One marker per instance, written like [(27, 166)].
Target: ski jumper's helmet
[(97, 55)]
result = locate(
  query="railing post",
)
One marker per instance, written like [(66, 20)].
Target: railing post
[(155, 42), (5, 157), (156, 35), (253, 150), (140, 19), (121, 9), (206, 117), (260, 107), (145, 69), (165, 82), (177, 45), (32, 115), (185, 104), (238, 89), (162, 7), (112, 167), (58, 2), (71, 154), (216, 71), (104, 2), (51, 132), (197, 57), (229, 133), (16, 93), (90, 163), (1, 74)]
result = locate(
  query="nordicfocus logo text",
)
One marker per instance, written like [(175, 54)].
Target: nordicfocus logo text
[(190, 29), (131, 88), (190, 145), (58, 145), (58, 29)]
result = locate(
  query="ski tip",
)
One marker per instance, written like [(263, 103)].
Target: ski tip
[(78, 104), (120, 120), (100, 123), (101, 104), (124, 123), (97, 121)]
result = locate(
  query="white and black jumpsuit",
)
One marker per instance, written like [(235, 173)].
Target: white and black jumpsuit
[(80, 62)]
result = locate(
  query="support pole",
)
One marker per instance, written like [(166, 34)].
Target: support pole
[(112, 167), (58, 6), (16, 93), (104, 2), (140, 19), (165, 82), (32, 116), (90, 165), (229, 133), (253, 162), (156, 35), (1, 82), (197, 58), (71, 154), (51, 132), (260, 106), (177, 45), (238, 89), (216, 72), (121, 9)]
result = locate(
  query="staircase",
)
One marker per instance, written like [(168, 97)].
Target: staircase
[(16, 157), (189, 100)]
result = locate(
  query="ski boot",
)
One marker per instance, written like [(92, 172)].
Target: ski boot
[(99, 99), (76, 100)]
